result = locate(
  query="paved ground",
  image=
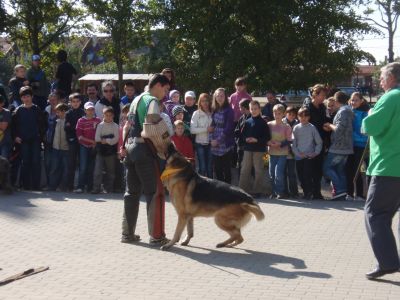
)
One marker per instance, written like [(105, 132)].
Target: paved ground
[(303, 250)]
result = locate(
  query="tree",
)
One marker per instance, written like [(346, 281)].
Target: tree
[(39, 23), (278, 44), (2, 17), (128, 24), (389, 11)]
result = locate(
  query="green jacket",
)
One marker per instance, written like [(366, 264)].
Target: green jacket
[(383, 127)]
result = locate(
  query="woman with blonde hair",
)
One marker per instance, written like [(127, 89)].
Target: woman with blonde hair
[(222, 140), (200, 127)]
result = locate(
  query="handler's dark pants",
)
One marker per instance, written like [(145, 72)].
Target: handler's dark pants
[(143, 177), (383, 201)]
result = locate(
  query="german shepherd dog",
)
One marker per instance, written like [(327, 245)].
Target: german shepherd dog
[(196, 196)]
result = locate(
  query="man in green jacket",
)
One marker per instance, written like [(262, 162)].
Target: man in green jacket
[(383, 200)]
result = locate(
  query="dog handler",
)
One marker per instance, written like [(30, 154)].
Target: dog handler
[(383, 200), (142, 165)]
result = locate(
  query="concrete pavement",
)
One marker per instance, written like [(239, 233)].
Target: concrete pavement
[(302, 250)]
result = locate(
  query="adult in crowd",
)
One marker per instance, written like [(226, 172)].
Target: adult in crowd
[(38, 81), (383, 200), (65, 74), (109, 99), (267, 111), (92, 94), (318, 117), (5, 133), (143, 166)]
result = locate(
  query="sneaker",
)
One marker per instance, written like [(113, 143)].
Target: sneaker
[(95, 191), (78, 191), (359, 198), (318, 197), (272, 196), (339, 197), (282, 196), (349, 198), (129, 238)]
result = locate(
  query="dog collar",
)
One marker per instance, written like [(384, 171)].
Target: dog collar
[(169, 172)]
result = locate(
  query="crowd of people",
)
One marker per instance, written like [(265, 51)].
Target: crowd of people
[(83, 133)]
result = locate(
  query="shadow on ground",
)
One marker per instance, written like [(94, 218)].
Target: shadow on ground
[(317, 204), (260, 263)]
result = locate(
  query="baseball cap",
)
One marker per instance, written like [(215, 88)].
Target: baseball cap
[(35, 57), (190, 94), (88, 105)]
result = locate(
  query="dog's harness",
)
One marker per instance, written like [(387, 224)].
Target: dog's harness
[(168, 172)]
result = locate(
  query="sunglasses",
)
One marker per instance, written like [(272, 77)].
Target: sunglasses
[(108, 91)]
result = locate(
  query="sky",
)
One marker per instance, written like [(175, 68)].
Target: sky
[(378, 45)]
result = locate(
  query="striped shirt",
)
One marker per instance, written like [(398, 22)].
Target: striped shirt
[(86, 128)]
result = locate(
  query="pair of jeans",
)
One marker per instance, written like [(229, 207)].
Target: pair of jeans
[(277, 165), (258, 183), (30, 168), (108, 164), (335, 170), (5, 150), (291, 178), (204, 158), (304, 169), (222, 166), (58, 169), (87, 158)]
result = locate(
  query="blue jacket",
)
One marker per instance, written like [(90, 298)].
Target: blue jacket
[(257, 128), (359, 139)]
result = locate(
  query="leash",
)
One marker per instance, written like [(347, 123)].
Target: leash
[(366, 149)]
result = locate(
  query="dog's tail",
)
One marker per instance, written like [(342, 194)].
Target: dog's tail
[(255, 210)]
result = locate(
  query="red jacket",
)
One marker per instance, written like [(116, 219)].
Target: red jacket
[(184, 146)]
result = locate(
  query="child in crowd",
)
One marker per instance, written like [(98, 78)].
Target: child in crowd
[(360, 110), (85, 132), (182, 143), (331, 108), (222, 140), (255, 135), (306, 145), (278, 147), (15, 85), (341, 146), (71, 119), (28, 124), (234, 101), (244, 105), (200, 126), (59, 155), (190, 107), (178, 114), (290, 170), (107, 136), (166, 118), (5, 130), (51, 116), (130, 93), (171, 103)]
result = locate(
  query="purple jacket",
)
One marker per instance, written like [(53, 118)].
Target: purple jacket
[(223, 124)]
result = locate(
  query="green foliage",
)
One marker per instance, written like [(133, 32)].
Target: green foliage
[(277, 44), (36, 24)]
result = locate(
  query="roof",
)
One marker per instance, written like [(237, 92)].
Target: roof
[(366, 70), (95, 77)]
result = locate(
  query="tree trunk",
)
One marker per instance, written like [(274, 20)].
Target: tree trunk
[(120, 68)]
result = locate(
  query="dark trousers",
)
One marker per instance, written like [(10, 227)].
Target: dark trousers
[(318, 163), (40, 101), (290, 178), (222, 167), (30, 169), (142, 177), (73, 155), (305, 168), (383, 201), (351, 168)]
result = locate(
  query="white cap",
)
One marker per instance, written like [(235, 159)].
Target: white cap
[(88, 105), (190, 94)]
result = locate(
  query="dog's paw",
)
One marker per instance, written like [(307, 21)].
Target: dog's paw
[(220, 245), (185, 243), (166, 247)]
